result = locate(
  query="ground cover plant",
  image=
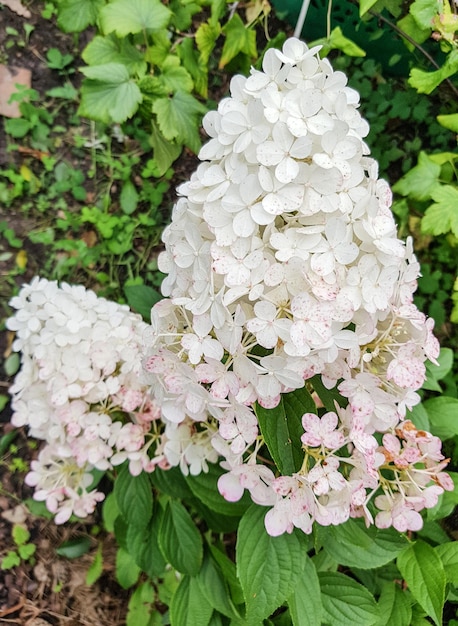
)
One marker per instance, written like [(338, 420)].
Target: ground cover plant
[(265, 445)]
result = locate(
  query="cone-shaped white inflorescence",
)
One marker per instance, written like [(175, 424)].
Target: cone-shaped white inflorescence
[(283, 263)]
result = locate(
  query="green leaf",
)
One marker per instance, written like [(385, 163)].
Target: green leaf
[(206, 36), (76, 15), (435, 373), (268, 567), (179, 118), (423, 12), (143, 545), (215, 589), (165, 152), (127, 571), (424, 573), (10, 560), (426, 82), (239, 38), (128, 198), (365, 6), (449, 121), (282, 428), (18, 127), (446, 503), (189, 606), (229, 572), (134, 497), (337, 40), (126, 17), (174, 77), (421, 180), (395, 607), (110, 49), (26, 551), (442, 412), (442, 216), (20, 534), (141, 298), (419, 417), (180, 540), (172, 482), (96, 568), (74, 548), (141, 605), (305, 604), (346, 602), (110, 512), (448, 554), (205, 487), (354, 545), (109, 94), (327, 396), (193, 62)]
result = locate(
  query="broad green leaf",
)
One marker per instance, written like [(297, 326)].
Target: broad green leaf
[(126, 17), (446, 503), (127, 571), (189, 606), (179, 539), (435, 373), (394, 605), (96, 568), (205, 487), (110, 49), (423, 12), (305, 602), (109, 94), (165, 152), (128, 198), (75, 15), (182, 13), (421, 180), (419, 417), (134, 497), (282, 428), (449, 121), (143, 544), (424, 573), (426, 82), (229, 573), (239, 38), (141, 605), (215, 589), (337, 40), (354, 545), (192, 61), (365, 5), (327, 396), (74, 548), (346, 602), (20, 534), (141, 298), (410, 27), (442, 414), (448, 554), (206, 36), (179, 117), (442, 216), (174, 77), (268, 567)]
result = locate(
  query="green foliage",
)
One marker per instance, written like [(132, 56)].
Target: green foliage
[(24, 549)]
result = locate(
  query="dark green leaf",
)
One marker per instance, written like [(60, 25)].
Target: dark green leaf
[(134, 497), (74, 548), (179, 539), (189, 606), (346, 602), (305, 603)]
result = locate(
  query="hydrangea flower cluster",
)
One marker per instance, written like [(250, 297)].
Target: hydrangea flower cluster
[(80, 390), (283, 263)]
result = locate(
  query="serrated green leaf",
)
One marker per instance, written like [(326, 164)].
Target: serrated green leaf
[(449, 121), (442, 216), (128, 198), (268, 567), (421, 180), (20, 534), (182, 13), (423, 12), (354, 545), (239, 38), (143, 545), (76, 15), (96, 568), (179, 539), (346, 602), (171, 482), (26, 551), (394, 605), (10, 560), (189, 606), (179, 118), (229, 572), (174, 77), (165, 151), (134, 497), (109, 94), (448, 554), (141, 605), (424, 573), (305, 604), (193, 62), (215, 589), (141, 298), (110, 49), (446, 503), (410, 27), (435, 373), (365, 6), (442, 412), (126, 17), (206, 36), (282, 429), (127, 571), (205, 487), (74, 548), (426, 82)]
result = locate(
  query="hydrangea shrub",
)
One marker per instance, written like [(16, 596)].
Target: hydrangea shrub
[(287, 347)]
